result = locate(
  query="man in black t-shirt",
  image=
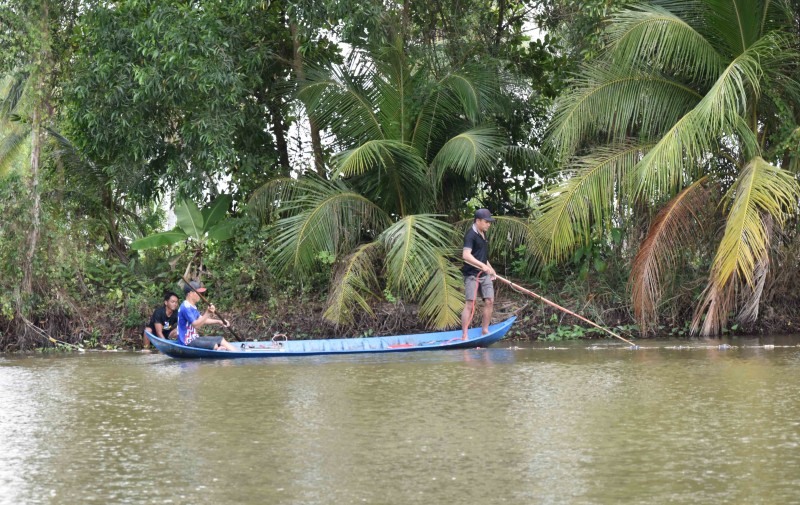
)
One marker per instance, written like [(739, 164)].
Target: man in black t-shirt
[(164, 321), (478, 273)]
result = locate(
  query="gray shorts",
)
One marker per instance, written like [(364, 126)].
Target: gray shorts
[(486, 288), (205, 342)]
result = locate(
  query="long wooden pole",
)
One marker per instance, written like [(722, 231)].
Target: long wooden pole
[(224, 319), (559, 307)]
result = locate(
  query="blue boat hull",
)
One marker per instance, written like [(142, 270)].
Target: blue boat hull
[(400, 343)]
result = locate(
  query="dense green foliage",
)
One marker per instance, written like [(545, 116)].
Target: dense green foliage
[(340, 148), (691, 110)]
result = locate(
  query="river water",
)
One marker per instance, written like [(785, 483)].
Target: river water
[(581, 424)]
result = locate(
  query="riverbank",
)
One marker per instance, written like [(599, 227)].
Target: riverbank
[(94, 327)]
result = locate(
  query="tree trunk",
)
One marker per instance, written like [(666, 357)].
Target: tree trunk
[(498, 36), (39, 105), (279, 130), (33, 236), (316, 140)]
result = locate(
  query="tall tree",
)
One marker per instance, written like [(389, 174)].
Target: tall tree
[(180, 95), (691, 100), (34, 40)]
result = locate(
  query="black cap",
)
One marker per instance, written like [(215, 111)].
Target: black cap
[(484, 214), (194, 286)]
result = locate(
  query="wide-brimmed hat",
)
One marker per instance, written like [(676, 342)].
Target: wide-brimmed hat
[(484, 214)]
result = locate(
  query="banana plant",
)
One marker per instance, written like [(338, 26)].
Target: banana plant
[(197, 227)]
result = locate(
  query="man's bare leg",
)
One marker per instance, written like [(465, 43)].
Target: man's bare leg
[(488, 305), (466, 318), (224, 346)]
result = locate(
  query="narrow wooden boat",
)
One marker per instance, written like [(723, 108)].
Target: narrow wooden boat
[(398, 343)]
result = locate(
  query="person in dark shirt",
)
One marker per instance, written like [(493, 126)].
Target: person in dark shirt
[(164, 321), (478, 272)]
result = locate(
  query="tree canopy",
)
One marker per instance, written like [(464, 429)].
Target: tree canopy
[(689, 101), (642, 157)]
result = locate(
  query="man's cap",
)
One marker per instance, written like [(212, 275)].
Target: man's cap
[(484, 214), (194, 286)]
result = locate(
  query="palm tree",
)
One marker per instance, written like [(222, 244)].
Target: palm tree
[(687, 112), (13, 131), (403, 137)]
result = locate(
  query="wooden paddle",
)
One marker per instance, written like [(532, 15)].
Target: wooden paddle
[(519, 288), (224, 319)]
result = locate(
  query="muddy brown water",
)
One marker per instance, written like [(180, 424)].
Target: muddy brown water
[(577, 424)]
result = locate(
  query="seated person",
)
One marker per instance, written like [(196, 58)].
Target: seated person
[(189, 320), (164, 321)]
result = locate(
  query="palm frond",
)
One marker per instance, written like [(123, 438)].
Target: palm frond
[(586, 197), (752, 296), (739, 24), (470, 153), (712, 312), (429, 125), (399, 181), (378, 153), (83, 175), (343, 100), (760, 190), (270, 199), (395, 83), (525, 157), (413, 246), (612, 101), (12, 96), (652, 36), (673, 228), (11, 146), (323, 216), (442, 299), (776, 15), (467, 94), (671, 162), (355, 279)]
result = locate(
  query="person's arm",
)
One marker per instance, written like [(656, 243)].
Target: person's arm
[(486, 268), (202, 320), (207, 319), (159, 330)]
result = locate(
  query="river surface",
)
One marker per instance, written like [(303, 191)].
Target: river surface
[(579, 424)]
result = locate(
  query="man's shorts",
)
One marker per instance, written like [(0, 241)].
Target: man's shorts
[(205, 342), (486, 288)]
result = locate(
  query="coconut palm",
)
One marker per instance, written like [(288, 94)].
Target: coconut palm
[(402, 136), (13, 132), (689, 112)]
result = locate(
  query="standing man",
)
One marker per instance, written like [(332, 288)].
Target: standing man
[(478, 273), (189, 320), (164, 321)]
